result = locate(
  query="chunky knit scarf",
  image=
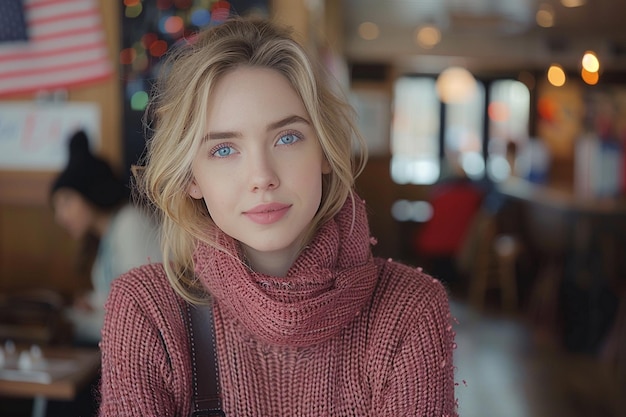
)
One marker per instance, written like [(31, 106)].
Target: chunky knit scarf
[(328, 285)]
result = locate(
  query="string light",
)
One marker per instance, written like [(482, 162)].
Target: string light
[(556, 75), (589, 77), (590, 62)]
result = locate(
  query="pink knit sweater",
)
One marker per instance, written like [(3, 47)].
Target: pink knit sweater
[(343, 334)]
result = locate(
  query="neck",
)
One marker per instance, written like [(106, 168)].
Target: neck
[(275, 263)]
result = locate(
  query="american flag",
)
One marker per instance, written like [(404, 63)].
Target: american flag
[(64, 45)]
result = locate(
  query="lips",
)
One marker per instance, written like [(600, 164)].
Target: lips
[(267, 213)]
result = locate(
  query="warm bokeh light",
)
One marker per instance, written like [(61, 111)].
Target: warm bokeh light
[(130, 3), (369, 31), (148, 39), (427, 36), (174, 25), (127, 56), (220, 10), (590, 62), (589, 77), (498, 111), (158, 48), (547, 108), (556, 75), (573, 3), (455, 85), (545, 16)]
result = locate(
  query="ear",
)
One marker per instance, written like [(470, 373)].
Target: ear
[(326, 168), (194, 191)]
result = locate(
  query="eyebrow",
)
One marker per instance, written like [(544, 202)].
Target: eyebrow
[(287, 121), (272, 126)]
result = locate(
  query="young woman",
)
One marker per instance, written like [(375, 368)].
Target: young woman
[(91, 203), (251, 168)]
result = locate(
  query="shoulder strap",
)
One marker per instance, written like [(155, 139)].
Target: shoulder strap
[(206, 390)]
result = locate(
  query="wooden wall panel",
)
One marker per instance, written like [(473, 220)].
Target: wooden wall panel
[(35, 253)]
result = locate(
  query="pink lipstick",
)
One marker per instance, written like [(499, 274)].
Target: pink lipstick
[(267, 213)]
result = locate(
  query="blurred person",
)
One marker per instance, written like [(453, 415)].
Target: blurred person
[(252, 169), (92, 204)]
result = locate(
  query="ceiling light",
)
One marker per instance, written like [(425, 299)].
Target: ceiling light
[(590, 62), (590, 78), (573, 3), (556, 75), (455, 85), (427, 36), (545, 16), (369, 31)]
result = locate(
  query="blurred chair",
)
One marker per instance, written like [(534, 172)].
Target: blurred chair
[(33, 316), (489, 261), (438, 241)]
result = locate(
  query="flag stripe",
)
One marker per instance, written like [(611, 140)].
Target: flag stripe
[(52, 48), (76, 78), (66, 47), (60, 29), (44, 64)]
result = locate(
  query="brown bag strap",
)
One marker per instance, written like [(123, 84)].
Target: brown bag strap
[(206, 389)]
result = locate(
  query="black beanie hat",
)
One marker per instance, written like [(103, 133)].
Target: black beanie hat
[(91, 176)]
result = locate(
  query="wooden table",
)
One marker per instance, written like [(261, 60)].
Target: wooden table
[(70, 370), (588, 237)]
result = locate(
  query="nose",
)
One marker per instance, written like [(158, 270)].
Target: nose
[(263, 173)]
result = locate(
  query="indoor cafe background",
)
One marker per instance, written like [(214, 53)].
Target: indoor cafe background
[(523, 99)]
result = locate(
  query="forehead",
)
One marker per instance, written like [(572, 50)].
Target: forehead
[(66, 192), (248, 95), (67, 195)]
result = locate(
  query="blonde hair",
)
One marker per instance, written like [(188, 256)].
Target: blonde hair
[(179, 110)]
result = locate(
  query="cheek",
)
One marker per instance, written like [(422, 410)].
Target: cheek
[(216, 196), (78, 220), (309, 172)]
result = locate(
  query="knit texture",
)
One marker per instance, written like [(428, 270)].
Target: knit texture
[(342, 334), (332, 281)]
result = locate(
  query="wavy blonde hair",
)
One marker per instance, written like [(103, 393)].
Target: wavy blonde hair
[(178, 115)]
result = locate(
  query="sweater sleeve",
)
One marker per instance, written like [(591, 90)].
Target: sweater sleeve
[(137, 370), (420, 375)]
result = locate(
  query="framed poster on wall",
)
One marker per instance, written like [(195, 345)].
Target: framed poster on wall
[(33, 136)]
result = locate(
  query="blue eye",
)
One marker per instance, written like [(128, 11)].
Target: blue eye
[(288, 139), (223, 150)]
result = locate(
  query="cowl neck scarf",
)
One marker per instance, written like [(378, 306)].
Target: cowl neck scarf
[(324, 290)]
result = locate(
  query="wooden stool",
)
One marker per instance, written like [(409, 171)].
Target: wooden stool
[(494, 264)]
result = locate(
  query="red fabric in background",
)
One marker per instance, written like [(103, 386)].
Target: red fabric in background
[(454, 206)]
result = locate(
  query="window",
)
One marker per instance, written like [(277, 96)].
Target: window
[(463, 135), (415, 131), (509, 112), (419, 130)]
